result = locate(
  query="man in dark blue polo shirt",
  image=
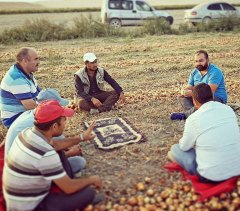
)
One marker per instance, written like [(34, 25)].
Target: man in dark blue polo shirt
[(204, 72)]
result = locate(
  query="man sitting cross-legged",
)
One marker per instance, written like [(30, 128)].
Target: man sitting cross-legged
[(32, 165), (26, 119), (210, 146)]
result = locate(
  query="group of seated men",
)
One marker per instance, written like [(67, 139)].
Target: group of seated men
[(37, 155)]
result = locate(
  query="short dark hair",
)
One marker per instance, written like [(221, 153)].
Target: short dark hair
[(203, 52), (202, 93), (46, 125)]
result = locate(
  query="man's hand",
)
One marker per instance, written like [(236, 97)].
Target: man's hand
[(96, 181), (186, 93), (96, 102), (87, 135), (74, 151), (122, 97)]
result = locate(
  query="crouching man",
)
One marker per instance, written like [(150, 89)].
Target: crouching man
[(32, 165), (210, 146)]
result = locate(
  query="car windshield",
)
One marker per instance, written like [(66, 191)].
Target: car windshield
[(143, 6)]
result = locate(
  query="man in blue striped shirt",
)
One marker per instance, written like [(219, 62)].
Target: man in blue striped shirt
[(19, 88)]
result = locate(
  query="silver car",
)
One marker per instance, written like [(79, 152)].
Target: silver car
[(130, 12), (204, 13)]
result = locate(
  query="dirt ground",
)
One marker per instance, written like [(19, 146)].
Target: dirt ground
[(152, 71)]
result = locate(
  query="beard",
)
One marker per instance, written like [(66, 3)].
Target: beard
[(202, 67)]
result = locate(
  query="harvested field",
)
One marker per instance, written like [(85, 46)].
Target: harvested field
[(152, 71)]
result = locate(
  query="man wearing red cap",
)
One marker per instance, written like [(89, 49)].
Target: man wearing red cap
[(33, 164)]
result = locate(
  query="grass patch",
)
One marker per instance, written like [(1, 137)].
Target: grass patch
[(157, 26), (86, 27)]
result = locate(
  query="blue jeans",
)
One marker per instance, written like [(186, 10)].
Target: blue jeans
[(187, 104), (77, 163), (186, 159)]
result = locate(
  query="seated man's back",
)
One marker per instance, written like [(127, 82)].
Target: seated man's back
[(217, 141)]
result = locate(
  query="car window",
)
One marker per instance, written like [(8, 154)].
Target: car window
[(120, 5), (227, 6), (214, 7), (142, 6)]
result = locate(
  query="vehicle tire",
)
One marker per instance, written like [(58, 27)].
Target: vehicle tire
[(169, 19), (115, 23), (206, 20)]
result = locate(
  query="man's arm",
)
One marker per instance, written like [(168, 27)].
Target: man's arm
[(29, 104), (215, 79), (70, 186), (80, 89), (112, 82), (66, 143), (189, 136)]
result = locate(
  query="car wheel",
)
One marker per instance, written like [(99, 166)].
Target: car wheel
[(206, 20), (170, 20), (115, 23)]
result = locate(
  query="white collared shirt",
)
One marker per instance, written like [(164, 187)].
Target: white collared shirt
[(214, 133)]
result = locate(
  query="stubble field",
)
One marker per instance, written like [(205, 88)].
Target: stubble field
[(152, 71)]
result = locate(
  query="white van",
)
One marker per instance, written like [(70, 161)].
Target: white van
[(129, 12)]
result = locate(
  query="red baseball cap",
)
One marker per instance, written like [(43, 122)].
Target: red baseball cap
[(49, 110)]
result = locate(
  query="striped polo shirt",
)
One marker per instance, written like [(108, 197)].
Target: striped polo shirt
[(30, 167), (16, 86)]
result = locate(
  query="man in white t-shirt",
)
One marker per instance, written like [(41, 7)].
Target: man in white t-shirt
[(33, 165), (26, 119), (210, 146)]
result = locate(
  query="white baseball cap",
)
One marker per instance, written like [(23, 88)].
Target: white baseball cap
[(90, 57)]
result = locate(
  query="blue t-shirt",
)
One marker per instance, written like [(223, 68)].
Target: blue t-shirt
[(213, 76)]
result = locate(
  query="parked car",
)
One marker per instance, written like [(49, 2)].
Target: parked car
[(130, 12), (208, 11)]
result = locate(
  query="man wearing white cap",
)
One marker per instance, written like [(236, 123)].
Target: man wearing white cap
[(89, 84), (26, 119)]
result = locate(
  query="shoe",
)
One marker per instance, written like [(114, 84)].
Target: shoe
[(99, 197), (94, 111), (178, 116)]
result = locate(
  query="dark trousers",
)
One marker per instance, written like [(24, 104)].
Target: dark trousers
[(67, 202), (187, 104), (107, 98)]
